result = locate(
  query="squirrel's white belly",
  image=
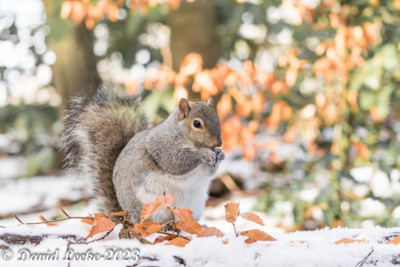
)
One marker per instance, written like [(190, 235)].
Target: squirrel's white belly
[(190, 190)]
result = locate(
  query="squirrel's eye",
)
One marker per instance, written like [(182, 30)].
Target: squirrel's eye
[(197, 124)]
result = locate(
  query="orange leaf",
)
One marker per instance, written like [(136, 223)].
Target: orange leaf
[(250, 240), (163, 238), (375, 114), (186, 222), (191, 64), (224, 106), (147, 228), (395, 241), (231, 212), (165, 200), (88, 221), (226, 241), (65, 9), (179, 242), (118, 213), (148, 210), (191, 227), (350, 240), (252, 217), (184, 214), (44, 220), (361, 150), (101, 224), (210, 231), (257, 235)]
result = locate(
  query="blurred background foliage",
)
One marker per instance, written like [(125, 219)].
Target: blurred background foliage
[(307, 90)]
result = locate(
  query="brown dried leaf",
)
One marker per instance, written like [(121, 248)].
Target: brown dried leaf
[(101, 224), (231, 212), (252, 217), (147, 228), (184, 214), (257, 235), (165, 201), (148, 210), (210, 231), (191, 227), (250, 240), (163, 238), (118, 213), (88, 221), (179, 242), (350, 240), (395, 241), (186, 222)]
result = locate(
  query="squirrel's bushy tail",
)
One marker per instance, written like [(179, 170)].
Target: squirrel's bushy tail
[(96, 131)]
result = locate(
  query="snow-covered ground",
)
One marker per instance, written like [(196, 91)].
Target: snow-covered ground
[(315, 248), (32, 197)]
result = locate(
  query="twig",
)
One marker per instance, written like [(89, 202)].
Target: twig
[(228, 181), (88, 242), (166, 233), (234, 229), (173, 222), (15, 216), (180, 260), (360, 263), (65, 213), (55, 221)]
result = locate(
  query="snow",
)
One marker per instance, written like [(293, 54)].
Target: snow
[(27, 193), (319, 248), (302, 248)]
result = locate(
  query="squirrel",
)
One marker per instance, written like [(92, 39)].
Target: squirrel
[(110, 139)]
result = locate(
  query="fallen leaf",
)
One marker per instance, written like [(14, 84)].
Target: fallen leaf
[(165, 201), (186, 221), (191, 227), (250, 240), (350, 240), (231, 212), (252, 217), (118, 213), (101, 224), (148, 210), (257, 235), (184, 214), (163, 238), (395, 241), (88, 221), (147, 228), (210, 231), (179, 242)]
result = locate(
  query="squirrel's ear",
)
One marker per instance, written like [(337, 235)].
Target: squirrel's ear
[(210, 102), (184, 108)]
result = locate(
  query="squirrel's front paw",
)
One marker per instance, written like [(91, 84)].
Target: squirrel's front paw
[(209, 157), (220, 154)]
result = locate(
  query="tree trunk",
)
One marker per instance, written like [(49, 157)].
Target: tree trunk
[(75, 70), (193, 31)]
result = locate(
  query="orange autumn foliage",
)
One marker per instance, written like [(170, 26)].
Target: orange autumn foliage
[(101, 224)]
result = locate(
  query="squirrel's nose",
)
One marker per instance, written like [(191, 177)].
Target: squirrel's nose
[(217, 143)]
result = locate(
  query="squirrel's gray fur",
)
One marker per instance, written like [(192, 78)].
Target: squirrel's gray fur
[(109, 138)]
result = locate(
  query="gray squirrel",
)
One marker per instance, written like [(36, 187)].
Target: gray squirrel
[(109, 138)]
